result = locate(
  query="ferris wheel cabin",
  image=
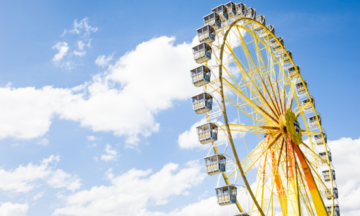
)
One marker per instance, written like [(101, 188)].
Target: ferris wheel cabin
[(307, 100), (213, 20), (323, 156), (313, 122), (206, 34), (288, 57), (215, 164), (231, 8), (336, 210), (293, 73), (222, 11), (336, 194), (242, 214), (327, 175), (318, 138), (267, 35), (251, 13), (301, 88), (200, 76), (226, 195), (261, 19), (241, 10), (207, 133), (276, 45), (202, 103), (202, 53)]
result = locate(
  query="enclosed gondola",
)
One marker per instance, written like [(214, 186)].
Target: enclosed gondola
[(231, 9), (226, 195), (329, 195), (261, 19), (202, 53), (266, 34), (240, 10), (288, 58), (323, 156), (336, 210), (215, 164), (301, 89), (200, 76), (306, 101), (207, 133), (213, 20), (277, 46), (318, 138), (326, 175), (206, 34), (293, 73), (202, 103), (251, 13), (222, 11), (313, 122)]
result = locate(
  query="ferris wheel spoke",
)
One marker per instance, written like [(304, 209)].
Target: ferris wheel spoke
[(251, 103), (314, 154), (274, 95), (256, 154), (246, 50), (252, 128), (239, 108), (278, 90), (243, 72)]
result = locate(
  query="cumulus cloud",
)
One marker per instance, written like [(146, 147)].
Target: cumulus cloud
[(25, 178), (62, 48), (103, 61), (131, 192), (124, 99), (346, 154), (110, 153), (11, 209)]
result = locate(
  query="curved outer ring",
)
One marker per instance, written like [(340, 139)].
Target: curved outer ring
[(226, 119)]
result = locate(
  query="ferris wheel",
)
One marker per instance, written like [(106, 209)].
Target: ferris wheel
[(265, 136)]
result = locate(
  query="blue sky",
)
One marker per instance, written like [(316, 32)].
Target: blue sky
[(95, 94)]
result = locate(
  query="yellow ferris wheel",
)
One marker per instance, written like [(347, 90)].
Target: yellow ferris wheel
[(269, 145)]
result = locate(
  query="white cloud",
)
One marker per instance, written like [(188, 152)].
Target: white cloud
[(131, 192), (80, 45), (81, 26), (110, 153), (10, 209), (346, 154), (77, 53), (25, 178), (27, 112), (146, 88), (103, 61), (38, 196), (92, 138), (61, 179), (64, 33), (63, 48), (43, 142)]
